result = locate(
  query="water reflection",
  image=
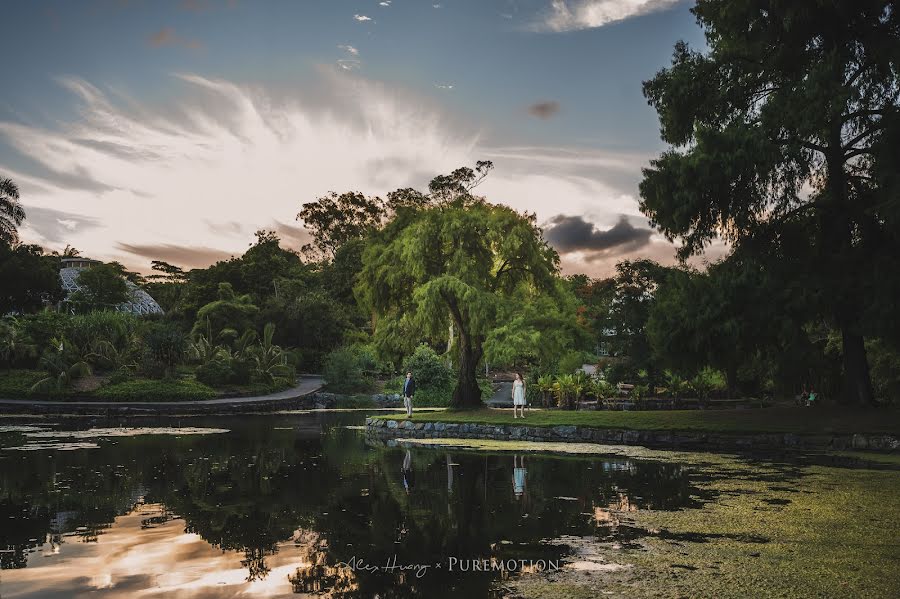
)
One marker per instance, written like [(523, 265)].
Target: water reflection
[(283, 505)]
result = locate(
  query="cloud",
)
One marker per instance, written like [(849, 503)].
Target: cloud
[(137, 181), (385, 3), (362, 18), (443, 86), (544, 110), (53, 227), (348, 64), (573, 15), (349, 49), (179, 255), (570, 234), (167, 37)]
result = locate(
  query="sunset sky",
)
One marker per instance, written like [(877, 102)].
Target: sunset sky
[(174, 129)]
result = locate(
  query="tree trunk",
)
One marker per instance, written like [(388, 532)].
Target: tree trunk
[(467, 393), (857, 381), (836, 244)]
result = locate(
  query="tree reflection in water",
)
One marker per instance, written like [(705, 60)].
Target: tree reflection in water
[(318, 490)]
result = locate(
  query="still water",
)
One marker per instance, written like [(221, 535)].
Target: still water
[(283, 504)]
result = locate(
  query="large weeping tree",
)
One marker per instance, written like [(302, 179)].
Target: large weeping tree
[(453, 259), (784, 135)]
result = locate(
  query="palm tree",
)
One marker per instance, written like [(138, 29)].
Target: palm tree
[(11, 212)]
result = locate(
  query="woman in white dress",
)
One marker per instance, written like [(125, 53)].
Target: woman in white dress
[(518, 396)]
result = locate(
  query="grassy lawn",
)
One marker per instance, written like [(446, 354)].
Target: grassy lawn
[(762, 420)]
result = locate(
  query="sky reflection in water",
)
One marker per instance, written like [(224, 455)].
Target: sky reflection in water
[(278, 505)]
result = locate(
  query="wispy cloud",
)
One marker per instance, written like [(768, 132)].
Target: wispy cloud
[(443, 86), (544, 110), (348, 64), (572, 15), (361, 18), (179, 255), (167, 37), (349, 49), (152, 178), (385, 3)]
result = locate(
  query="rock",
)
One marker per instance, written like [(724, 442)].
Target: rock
[(392, 424)]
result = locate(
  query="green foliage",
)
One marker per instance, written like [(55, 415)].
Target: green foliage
[(268, 360), (572, 361), (155, 390), (102, 286), (215, 373), (226, 318), (536, 327), (885, 371), (165, 347), (63, 363), (29, 279), (15, 345), (707, 382), (334, 220), (429, 370), (453, 261), (17, 384), (783, 134), (343, 371)]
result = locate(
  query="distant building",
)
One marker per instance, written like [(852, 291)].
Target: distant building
[(140, 303)]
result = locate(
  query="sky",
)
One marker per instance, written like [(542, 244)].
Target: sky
[(174, 129)]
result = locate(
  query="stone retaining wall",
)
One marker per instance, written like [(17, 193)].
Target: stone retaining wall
[(658, 439)]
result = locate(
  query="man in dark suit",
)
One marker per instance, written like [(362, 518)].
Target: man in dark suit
[(409, 387)]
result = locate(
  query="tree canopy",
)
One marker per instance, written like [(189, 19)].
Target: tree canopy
[(783, 134), (454, 261)]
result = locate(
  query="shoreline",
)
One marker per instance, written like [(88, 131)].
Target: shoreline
[(385, 427), (293, 398)]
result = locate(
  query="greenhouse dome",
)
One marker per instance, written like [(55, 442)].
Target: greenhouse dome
[(141, 302)]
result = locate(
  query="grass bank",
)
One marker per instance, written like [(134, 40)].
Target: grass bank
[(824, 420)]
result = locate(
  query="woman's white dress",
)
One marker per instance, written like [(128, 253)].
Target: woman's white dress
[(518, 393)]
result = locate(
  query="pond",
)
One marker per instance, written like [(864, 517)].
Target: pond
[(274, 505)]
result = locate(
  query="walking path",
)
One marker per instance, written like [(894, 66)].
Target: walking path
[(305, 386)]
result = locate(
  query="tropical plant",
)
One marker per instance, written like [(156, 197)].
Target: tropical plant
[(63, 363), (11, 212), (14, 342), (269, 360), (601, 388), (563, 390), (707, 381), (545, 384)]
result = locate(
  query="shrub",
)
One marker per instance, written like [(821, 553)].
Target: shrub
[(15, 384), (152, 390), (165, 343), (44, 326), (708, 381), (571, 361), (621, 372), (343, 372), (429, 370), (115, 328), (215, 373)]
